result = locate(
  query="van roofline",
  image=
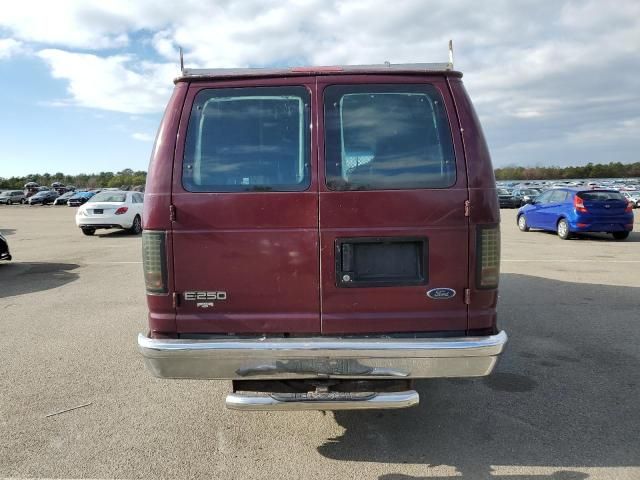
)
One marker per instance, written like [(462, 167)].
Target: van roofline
[(445, 69)]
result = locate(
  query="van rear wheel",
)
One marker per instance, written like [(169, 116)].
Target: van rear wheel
[(620, 235), (563, 229)]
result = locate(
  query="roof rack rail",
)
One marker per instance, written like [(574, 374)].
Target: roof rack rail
[(314, 70)]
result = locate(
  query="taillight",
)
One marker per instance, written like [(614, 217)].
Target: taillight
[(121, 210), (154, 262), (578, 204), (629, 208), (488, 252)]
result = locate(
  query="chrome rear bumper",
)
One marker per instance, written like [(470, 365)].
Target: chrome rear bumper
[(319, 357), (331, 401)]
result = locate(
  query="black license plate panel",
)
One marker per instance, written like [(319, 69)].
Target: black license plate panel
[(381, 261)]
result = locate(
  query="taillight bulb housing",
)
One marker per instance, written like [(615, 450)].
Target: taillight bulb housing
[(154, 262), (488, 252)]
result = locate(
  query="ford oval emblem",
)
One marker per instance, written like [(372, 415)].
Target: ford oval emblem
[(441, 293)]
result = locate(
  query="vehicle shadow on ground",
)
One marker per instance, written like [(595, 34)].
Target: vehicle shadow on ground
[(634, 237), (114, 234), (7, 231), (20, 278), (560, 475), (565, 394)]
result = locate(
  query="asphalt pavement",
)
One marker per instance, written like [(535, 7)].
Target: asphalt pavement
[(563, 403)]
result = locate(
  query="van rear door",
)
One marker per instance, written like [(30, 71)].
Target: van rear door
[(245, 232), (393, 231)]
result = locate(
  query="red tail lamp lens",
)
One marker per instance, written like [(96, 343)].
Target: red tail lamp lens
[(121, 210), (578, 203)]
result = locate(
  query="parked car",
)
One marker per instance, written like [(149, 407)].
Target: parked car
[(9, 197), (524, 195), (43, 197), (79, 198), (571, 211), (31, 188), (111, 209), (64, 198), (506, 198), (632, 197), (326, 270), (5, 254)]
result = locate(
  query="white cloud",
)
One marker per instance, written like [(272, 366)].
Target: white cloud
[(603, 134), (87, 24), (143, 137), (119, 83), (536, 70), (9, 47)]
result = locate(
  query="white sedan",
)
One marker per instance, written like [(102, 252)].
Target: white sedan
[(632, 197), (111, 209)]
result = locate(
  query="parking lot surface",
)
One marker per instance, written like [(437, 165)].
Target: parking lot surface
[(563, 403)]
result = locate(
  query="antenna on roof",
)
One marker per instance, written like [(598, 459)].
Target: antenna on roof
[(181, 61), (450, 54)]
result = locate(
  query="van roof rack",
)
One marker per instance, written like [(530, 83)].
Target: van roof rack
[(386, 67)]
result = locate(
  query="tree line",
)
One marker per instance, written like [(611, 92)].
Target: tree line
[(130, 177), (590, 170), (82, 180)]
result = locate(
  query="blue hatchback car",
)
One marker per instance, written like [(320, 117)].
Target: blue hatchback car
[(568, 211)]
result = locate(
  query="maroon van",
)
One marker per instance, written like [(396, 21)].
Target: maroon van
[(321, 236)]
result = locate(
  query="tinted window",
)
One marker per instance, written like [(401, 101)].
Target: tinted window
[(248, 139), (387, 137), (601, 196)]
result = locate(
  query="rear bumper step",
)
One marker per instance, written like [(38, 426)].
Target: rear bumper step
[(228, 358), (327, 401)]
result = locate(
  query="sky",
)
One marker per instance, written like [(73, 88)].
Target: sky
[(85, 82)]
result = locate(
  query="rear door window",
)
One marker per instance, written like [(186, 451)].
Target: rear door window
[(600, 196), (248, 139), (109, 197), (381, 137)]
